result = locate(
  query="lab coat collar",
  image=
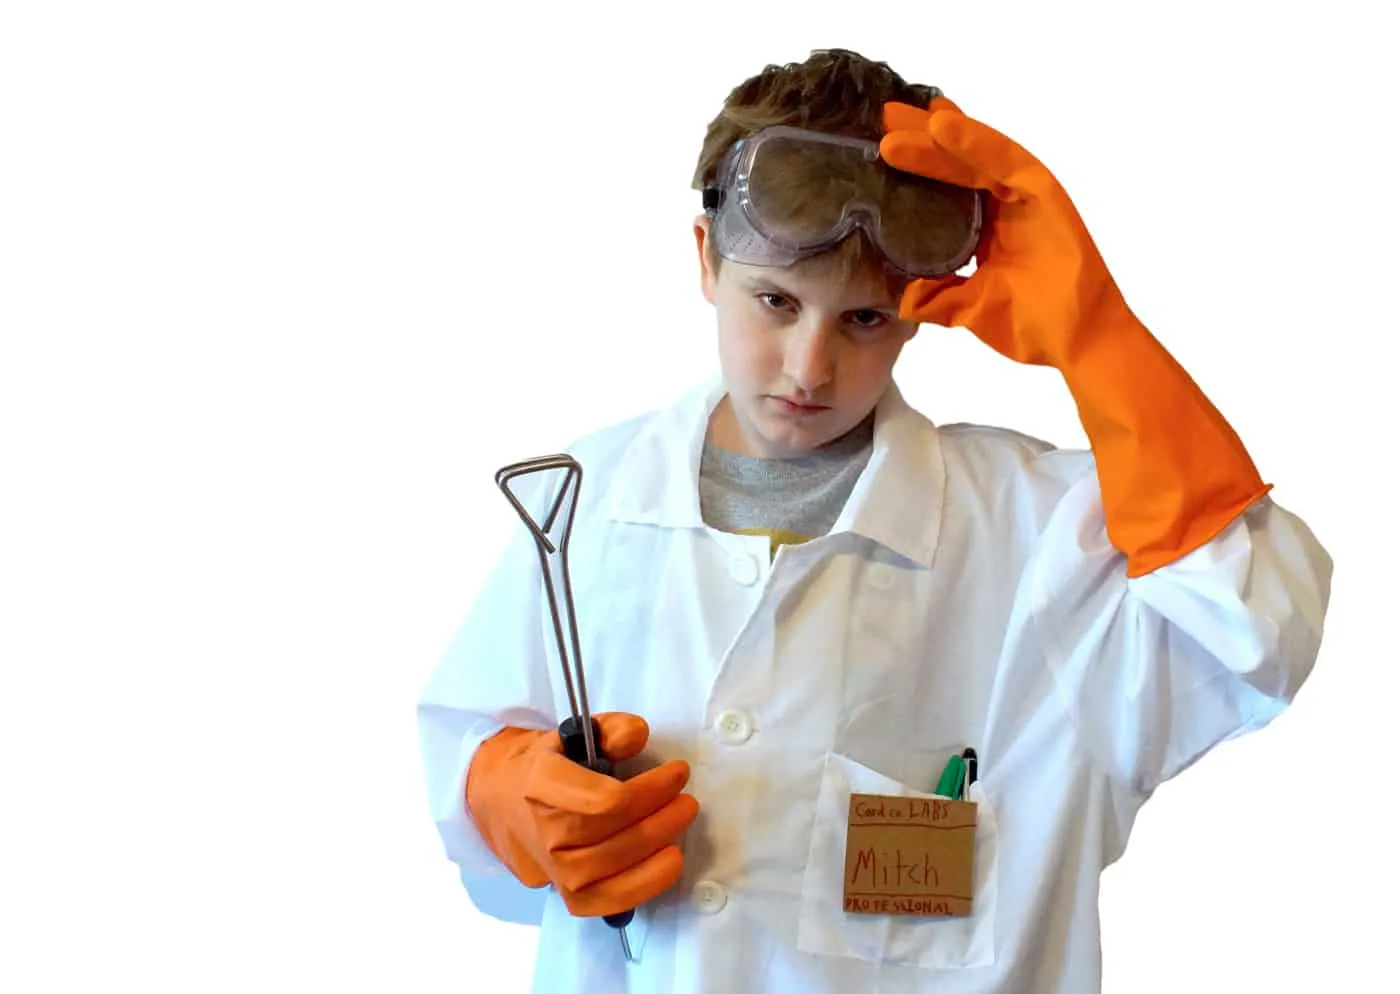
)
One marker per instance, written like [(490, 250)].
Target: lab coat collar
[(897, 500)]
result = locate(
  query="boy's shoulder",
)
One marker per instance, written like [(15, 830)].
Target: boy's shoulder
[(969, 436), (992, 452)]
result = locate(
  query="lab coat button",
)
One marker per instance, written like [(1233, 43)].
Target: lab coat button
[(708, 897), (743, 569), (733, 727)]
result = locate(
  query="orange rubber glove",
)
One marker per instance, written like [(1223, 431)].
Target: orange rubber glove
[(607, 845), (1172, 472)]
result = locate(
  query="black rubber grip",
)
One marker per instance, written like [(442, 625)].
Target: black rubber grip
[(576, 747)]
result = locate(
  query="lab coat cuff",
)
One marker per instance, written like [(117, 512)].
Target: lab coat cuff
[(461, 838)]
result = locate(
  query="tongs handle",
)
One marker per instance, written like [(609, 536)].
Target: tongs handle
[(576, 748)]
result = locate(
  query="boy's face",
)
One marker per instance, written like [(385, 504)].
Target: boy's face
[(805, 356)]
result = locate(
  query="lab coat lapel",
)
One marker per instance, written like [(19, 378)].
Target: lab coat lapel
[(897, 501)]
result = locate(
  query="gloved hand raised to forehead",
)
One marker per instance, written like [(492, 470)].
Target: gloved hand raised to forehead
[(607, 845), (1172, 472), (1040, 280)]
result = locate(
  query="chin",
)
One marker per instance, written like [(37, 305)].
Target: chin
[(796, 444)]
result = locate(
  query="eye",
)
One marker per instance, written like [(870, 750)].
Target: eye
[(869, 320), (773, 301)]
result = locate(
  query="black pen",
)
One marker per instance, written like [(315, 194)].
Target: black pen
[(970, 761)]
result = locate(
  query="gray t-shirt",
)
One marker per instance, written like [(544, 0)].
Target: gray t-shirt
[(791, 500)]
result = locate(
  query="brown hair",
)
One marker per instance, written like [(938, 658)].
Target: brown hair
[(835, 90)]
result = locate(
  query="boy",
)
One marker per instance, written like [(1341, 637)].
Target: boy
[(792, 588)]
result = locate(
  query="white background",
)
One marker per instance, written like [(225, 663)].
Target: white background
[(253, 259)]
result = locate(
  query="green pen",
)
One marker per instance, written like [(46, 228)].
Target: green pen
[(950, 783)]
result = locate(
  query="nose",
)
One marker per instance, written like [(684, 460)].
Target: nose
[(809, 359)]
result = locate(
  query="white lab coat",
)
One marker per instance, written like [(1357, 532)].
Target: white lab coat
[(968, 595)]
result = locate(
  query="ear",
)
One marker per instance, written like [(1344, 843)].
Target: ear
[(707, 275)]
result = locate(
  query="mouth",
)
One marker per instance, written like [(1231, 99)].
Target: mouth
[(794, 406)]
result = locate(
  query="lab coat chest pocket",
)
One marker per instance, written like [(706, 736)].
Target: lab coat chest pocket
[(825, 928)]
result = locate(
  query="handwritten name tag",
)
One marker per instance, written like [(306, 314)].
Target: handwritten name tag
[(909, 856)]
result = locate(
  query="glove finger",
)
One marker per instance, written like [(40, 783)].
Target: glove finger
[(982, 305), (555, 783), (623, 735), (581, 808), (525, 868), (634, 886), (899, 116), (914, 152), (1012, 173), (904, 117), (929, 286), (946, 301), (576, 868)]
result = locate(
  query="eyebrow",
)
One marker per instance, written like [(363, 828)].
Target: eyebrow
[(766, 285)]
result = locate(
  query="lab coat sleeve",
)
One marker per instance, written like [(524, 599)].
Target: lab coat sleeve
[(1158, 669), (493, 674)]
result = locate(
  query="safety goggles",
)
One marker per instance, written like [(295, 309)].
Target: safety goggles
[(784, 193)]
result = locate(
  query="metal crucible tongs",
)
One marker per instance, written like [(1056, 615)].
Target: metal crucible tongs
[(578, 733)]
